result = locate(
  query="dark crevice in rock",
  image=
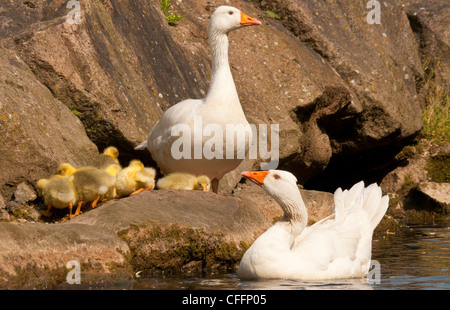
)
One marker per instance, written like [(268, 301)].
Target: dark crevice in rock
[(369, 166)]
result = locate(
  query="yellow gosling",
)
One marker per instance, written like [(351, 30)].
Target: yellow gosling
[(110, 156), (58, 192), (134, 179), (186, 181), (90, 184)]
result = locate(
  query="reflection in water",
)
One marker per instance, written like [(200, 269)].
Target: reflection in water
[(232, 282), (344, 284), (415, 258)]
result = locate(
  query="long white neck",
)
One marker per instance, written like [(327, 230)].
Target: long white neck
[(295, 215), (222, 86), (273, 249)]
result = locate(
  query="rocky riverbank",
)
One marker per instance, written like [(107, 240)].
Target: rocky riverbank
[(353, 101), (161, 230)]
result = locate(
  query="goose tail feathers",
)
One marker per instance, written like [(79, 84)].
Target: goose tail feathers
[(375, 204), (142, 146), (369, 198)]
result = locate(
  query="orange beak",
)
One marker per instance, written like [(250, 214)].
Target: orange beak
[(256, 177), (248, 21)]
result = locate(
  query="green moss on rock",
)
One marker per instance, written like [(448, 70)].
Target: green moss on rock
[(438, 168), (175, 249)]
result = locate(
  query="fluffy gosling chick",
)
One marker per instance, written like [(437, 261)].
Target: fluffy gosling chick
[(113, 169), (90, 184), (134, 179), (145, 180), (65, 169), (58, 192), (177, 180), (109, 157), (203, 183), (181, 180)]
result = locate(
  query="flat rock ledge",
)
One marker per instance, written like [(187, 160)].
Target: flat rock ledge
[(155, 231)]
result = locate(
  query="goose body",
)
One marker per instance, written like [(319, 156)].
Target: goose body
[(221, 106), (339, 246)]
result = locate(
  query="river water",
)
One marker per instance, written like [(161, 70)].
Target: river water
[(414, 258)]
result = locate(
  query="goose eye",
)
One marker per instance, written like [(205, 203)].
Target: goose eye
[(276, 177), (231, 12)]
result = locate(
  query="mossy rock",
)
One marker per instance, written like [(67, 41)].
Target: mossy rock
[(174, 249), (438, 168)]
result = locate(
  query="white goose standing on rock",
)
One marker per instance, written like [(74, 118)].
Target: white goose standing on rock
[(220, 107), (338, 246)]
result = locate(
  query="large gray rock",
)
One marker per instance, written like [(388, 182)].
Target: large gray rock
[(38, 132), (24, 193), (378, 64), (431, 25), (35, 255), (437, 194), (418, 189), (4, 215), (240, 218), (117, 71)]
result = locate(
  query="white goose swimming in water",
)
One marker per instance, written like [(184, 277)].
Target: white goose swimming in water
[(338, 246), (221, 107)]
